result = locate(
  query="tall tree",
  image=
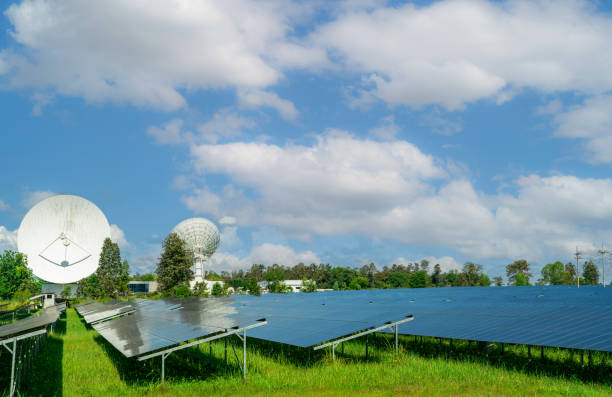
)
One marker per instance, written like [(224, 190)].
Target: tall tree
[(174, 267), (590, 273), (15, 275), (436, 276), (498, 280), (124, 278), (553, 274), (110, 268), (518, 267)]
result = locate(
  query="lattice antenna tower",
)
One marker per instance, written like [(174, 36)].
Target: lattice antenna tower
[(578, 256), (603, 252)]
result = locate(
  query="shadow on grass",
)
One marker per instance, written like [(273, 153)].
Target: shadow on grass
[(45, 376), (192, 363), (287, 354), (556, 362)]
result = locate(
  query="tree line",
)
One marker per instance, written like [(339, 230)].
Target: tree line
[(174, 271)]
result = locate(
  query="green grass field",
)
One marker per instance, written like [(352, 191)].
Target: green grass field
[(76, 361)]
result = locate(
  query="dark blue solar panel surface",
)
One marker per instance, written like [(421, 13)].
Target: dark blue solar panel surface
[(39, 320), (563, 316)]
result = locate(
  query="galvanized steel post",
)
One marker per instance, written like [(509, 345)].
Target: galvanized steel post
[(244, 355)]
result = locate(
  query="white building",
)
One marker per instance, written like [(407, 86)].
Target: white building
[(295, 285)]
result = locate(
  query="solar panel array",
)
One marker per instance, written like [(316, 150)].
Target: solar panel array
[(159, 324), (561, 316), (557, 316), (39, 320), (307, 320)]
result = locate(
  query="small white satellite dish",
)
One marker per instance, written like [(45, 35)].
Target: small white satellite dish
[(201, 238), (63, 237)]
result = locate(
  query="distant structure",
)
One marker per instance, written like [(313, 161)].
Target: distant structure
[(201, 238), (62, 237)]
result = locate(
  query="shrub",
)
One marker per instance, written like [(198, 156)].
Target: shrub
[(181, 291)]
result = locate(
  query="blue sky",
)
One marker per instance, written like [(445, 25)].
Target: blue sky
[(342, 133)]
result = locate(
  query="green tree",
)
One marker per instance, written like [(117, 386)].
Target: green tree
[(521, 280), (278, 287), (89, 286), (109, 270), (253, 287), (174, 267), (199, 289), (66, 292), (436, 276), (359, 283), (15, 275), (484, 280), (181, 291), (399, 280), (590, 273), (553, 274), (308, 286), (418, 279), (124, 278), (498, 280), (470, 275), (144, 277), (518, 267), (218, 290), (275, 273)]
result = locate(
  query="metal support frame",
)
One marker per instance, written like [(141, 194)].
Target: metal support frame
[(390, 324), (235, 331), (13, 352)]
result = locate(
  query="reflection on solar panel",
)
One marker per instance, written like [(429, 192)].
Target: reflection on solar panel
[(166, 322), (30, 332), (95, 311), (42, 319)]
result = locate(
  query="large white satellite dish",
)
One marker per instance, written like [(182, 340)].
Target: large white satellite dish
[(201, 238), (63, 237)]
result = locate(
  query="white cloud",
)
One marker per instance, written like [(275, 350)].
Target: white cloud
[(4, 66), (4, 206), (387, 130), (8, 239), (256, 98), (144, 264), (181, 182), (591, 122), (171, 133), (267, 254), (224, 124), (455, 52), (146, 53), (553, 107), (342, 185), (32, 198), (440, 125), (40, 101), (118, 236), (339, 175)]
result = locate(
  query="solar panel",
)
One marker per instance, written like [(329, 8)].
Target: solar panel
[(166, 322), (562, 316), (41, 319)]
